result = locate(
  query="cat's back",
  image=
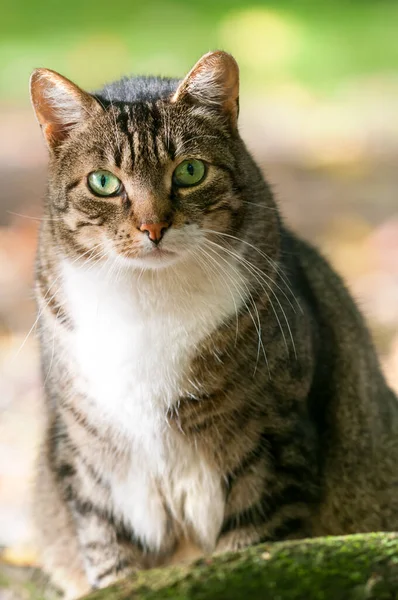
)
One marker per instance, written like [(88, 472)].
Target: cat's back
[(356, 411), (344, 341)]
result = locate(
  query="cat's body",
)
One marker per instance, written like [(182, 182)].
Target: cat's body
[(229, 397)]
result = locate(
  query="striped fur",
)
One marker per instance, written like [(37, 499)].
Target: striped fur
[(220, 394)]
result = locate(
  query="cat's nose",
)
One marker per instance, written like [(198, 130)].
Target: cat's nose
[(155, 231)]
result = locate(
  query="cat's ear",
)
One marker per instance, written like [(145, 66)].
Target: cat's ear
[(213, 83), (59, 104)]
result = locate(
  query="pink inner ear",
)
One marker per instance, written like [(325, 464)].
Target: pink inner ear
[(42, 83), (54, 126), (59, 104), (55, 132)]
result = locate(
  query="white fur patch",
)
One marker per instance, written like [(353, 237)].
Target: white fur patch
[(135, 335)]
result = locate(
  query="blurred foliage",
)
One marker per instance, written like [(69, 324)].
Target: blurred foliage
[(277, 42)]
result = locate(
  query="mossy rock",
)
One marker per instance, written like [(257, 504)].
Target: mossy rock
[(363, 566)]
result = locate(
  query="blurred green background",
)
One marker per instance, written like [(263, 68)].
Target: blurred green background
[(315, 44), (319, 111)]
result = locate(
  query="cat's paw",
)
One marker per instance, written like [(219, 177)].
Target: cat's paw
[(236, 540), (111, 578)]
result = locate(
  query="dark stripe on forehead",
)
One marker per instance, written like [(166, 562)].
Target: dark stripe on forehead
[(146, 126), (154, 142), (142, 128), (117, 155), (122, 123), (170, 147), (166, 119), (123, 119), (157, 117), (138, 133), (156, 129), (128, 124)]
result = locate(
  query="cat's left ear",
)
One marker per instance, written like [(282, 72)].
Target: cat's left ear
[(60, 105), (213, 83)]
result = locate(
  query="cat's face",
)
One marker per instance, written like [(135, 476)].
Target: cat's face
[(149, 180)]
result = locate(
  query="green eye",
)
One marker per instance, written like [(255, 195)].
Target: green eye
[(189, 172), (104, 183)]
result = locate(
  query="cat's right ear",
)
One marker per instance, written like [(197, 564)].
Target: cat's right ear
[(59, 104)]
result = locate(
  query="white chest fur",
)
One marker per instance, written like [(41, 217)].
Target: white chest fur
[(132, 344)]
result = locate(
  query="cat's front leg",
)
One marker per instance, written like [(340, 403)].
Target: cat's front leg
[(105, 555), (273, 498), (107, 550), (284, 513)]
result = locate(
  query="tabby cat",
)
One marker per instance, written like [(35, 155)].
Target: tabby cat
[(209, 382)]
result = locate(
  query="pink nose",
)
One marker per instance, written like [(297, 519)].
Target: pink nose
[(155, 231)]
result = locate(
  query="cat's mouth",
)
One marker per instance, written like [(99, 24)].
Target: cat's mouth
[(151, 258), (159, 252), (157, 258)]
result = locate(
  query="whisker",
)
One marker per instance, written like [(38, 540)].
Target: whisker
[(256, 325), (273, 208), (230, 291), (52, 349), (203, 264), (10, 212), (270, 261), (266, 276), (260, 279), (44, 306)]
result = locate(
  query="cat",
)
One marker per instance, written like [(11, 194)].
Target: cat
[(209, 382)]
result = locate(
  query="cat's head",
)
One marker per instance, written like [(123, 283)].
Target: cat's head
[(147, 168)]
